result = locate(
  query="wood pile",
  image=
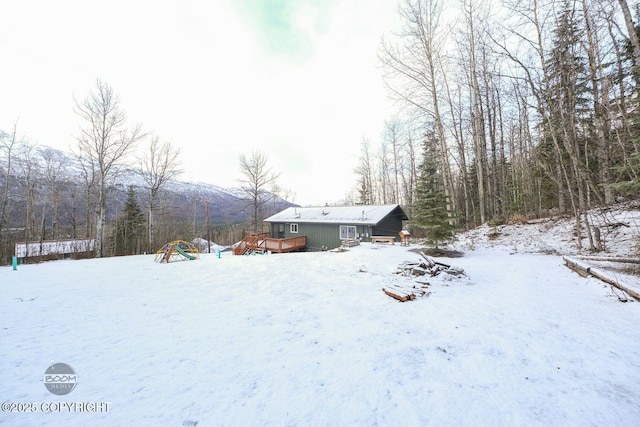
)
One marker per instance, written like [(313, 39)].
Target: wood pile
[(349, 243), (420, 271), (400, 295), (407, 291), (428, 266)]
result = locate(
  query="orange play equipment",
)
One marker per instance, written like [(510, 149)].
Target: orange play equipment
[(178, 250)]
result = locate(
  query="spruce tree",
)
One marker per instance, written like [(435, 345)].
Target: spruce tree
[(430, 210), (629, 183), (130, 226)]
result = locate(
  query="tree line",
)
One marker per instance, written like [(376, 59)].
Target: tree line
[(517, 108), (510, 109), (47, 195)]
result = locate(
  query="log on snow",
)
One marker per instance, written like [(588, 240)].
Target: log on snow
[(577, 266), (585, 270), (403, 298), (608, 259), (618, 284), (430, 261)]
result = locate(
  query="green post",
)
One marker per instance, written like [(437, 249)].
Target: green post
[(14, 261), (218, 254)]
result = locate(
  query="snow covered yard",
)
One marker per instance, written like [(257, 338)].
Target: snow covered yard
[(310, 339)]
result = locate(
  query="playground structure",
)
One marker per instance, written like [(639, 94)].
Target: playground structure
[(178, 250)]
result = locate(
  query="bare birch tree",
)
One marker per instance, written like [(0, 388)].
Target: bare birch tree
[(104, 142), (478, 131), (365, 173), (159, 165), (55, 173), (393, 138), (257, 179), (8, 145), (416, 63), (30, 173)]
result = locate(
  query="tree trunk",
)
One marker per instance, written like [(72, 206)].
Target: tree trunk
[(600, 113), (477, 117), (100, 220), (633, 35)]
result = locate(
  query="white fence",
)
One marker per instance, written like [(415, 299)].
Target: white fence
[(53, 247)]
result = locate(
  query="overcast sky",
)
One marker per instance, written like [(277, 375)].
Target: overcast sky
[(297, 79)]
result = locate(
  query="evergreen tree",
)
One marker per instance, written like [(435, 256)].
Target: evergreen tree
[(130, 231), (630, 186), (430, 210), (562, 146)]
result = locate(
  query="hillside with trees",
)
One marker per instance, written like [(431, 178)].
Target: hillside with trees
[(522, 108), (126, 204), (44, 195)]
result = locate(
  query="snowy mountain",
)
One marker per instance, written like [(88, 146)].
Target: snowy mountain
[(226, 205), (179, 199)]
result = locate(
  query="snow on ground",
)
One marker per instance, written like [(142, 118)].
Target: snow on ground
[(619, 227), (310, 339)]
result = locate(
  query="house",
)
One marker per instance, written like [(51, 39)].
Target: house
[(327, 227)]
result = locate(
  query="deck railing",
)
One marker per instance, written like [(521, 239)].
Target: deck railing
[(285, 245), (261, 241)]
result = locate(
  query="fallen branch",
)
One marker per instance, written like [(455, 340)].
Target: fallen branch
[(585, 270), (615, 224), (608, 259), (619, 294), (618, 284)]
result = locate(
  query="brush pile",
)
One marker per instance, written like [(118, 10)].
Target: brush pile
[(427, 267), (421, 271)]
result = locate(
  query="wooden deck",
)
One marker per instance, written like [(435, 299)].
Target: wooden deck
[(261, 242)]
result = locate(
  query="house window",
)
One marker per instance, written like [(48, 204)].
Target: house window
[(293, 228), (347, 232)]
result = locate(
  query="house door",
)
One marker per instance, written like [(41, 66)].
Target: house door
[(280, 231)]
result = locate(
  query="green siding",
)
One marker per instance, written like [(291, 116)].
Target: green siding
[(319, 235), (322, 236)]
